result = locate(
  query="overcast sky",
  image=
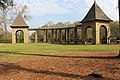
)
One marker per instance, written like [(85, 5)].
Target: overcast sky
[(43, 11)]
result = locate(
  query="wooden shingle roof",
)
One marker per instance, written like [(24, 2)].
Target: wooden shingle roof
[(95, 13), (19, 22)]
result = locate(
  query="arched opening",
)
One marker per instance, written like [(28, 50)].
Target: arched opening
[(89, 35), (103, 34), (32, 36), (19, 36)]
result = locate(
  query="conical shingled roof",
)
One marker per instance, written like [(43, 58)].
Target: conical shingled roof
[(96, 13), (19, 22)]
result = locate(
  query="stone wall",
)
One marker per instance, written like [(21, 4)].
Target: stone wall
[(25, 30)]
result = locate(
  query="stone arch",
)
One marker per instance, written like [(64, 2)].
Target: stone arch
[(19, 36), (103, 34), (14, 33), (89, 34)]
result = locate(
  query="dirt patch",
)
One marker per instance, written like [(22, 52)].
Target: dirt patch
[(62, 67)]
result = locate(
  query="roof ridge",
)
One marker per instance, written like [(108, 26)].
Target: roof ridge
[(96, 13), (95, 9), (19, 21)]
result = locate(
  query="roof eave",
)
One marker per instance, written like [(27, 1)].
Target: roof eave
[(19, 26), (96, 20)]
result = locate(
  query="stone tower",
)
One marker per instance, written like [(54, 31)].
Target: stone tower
[(95, 19), (19, 25)]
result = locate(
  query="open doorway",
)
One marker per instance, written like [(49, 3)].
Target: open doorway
[(19, 36), (103, 34), (89, 35)]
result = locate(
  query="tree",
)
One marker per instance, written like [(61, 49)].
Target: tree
[(3, 34), (114, 26), (60, 24), (48, 25), (119, 14), (20, 36), (21, 9), (5, 4), (8, 11), (8, 15)]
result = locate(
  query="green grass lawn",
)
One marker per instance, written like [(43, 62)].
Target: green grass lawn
[(54, 48), (10, 52)]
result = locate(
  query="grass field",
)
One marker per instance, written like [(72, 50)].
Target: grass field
[(55, 48), (58, 61), (8, 52)]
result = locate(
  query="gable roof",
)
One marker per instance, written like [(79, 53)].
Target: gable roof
[(19, 22), (96, 13)]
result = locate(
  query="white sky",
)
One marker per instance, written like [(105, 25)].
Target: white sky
[(44, 11)]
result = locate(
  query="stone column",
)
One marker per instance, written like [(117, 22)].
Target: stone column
[(25, 35), (97, 35), (56, 36), (13, 36), (36, 36), (108, 33), (65, 35), (60, 35), (68, 35), (75, 36), (45, 35), (52, 35), (83, 35)]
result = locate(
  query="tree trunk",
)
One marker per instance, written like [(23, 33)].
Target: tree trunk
[(5, 23), (119, 14)]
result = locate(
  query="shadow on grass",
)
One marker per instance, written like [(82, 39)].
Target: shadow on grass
[(11, 66), (60, 56), (8, 67), (66, 43)]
